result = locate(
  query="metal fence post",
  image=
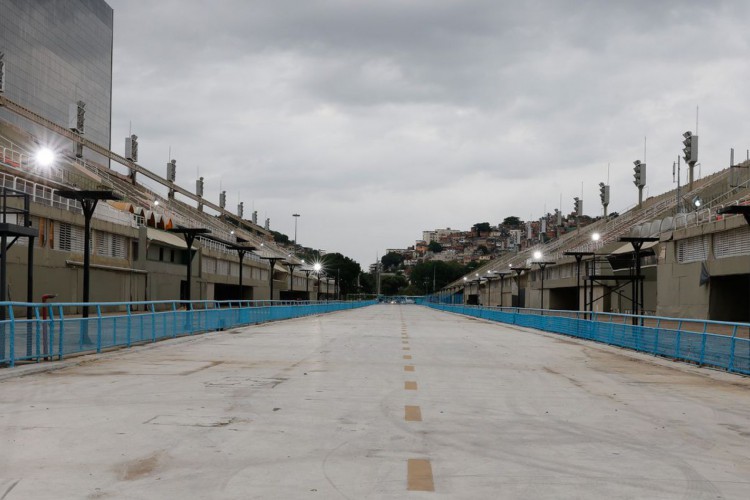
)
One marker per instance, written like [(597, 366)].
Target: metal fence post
[(98, 328), (732, 348), (153, 322), (174, 319), (129, 325), (60, 335), (12, 350)]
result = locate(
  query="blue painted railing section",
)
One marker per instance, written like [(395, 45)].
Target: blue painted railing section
[(668, 337), (55, 330)]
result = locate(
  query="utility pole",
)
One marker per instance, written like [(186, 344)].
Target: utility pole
[(296, 216)]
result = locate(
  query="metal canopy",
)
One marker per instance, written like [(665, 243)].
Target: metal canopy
[(88, 200), (189, 233), (104, 194), (737, 209)]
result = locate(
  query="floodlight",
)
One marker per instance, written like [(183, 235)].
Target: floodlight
[(537, 255), (596, 236), (45, 157)]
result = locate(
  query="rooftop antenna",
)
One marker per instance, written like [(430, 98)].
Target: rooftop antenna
[(696, 120), (607, 173), (644, 149)]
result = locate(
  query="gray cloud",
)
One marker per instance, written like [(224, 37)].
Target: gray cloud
[(376, 120)]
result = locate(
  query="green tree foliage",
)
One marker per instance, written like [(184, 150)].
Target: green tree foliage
[(279, 237), (435, 247), (367, 283), (443, 272), (471, 266), (482, 249), (346, 269), (392, 261), (512, 222), (392, 284), (481, 227)]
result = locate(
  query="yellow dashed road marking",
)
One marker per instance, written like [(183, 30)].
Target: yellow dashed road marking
[(412, 414), (419, 475), (409, 368), (410, 386), (407, 356)]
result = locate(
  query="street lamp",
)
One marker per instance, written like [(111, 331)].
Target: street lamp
[(296, 216), (579, 256), (518, 270), (291, 266), (272, 263), (88, 201), (317, 267), (542, 265), (490, 276), (189, 233)]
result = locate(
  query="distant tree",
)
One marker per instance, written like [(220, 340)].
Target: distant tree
[(482, 227), (366, 283), (482, 249), (471, 266), (512, 221), (346, 270), (279, 237), (435, 247), (392, 260), (391, 284), (442, 273)]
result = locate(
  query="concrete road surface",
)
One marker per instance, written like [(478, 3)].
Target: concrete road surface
[(389, 401)]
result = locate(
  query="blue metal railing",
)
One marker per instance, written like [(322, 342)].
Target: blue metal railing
[(35, 332), (711, 343)]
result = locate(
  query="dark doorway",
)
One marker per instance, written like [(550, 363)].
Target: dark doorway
[(295, 295), (563, 299), (730, 298)]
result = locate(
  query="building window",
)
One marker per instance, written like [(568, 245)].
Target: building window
[(732, 243), (64, 238), (692, 249)]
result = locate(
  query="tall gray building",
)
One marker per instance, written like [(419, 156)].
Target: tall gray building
[(57, 53)]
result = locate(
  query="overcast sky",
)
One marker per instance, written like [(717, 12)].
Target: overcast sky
[(376, 120)]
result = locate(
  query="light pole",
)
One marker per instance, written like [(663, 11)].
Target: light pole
[(490, 276), (317, 267), (88, 201), (291, 266), (579, 256), (271, 264), (542, 265), (189, 233), (518, 271), (296, 216)]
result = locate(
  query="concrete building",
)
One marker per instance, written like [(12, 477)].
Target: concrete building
[(56, 55), (57, 88), (694, 262)]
